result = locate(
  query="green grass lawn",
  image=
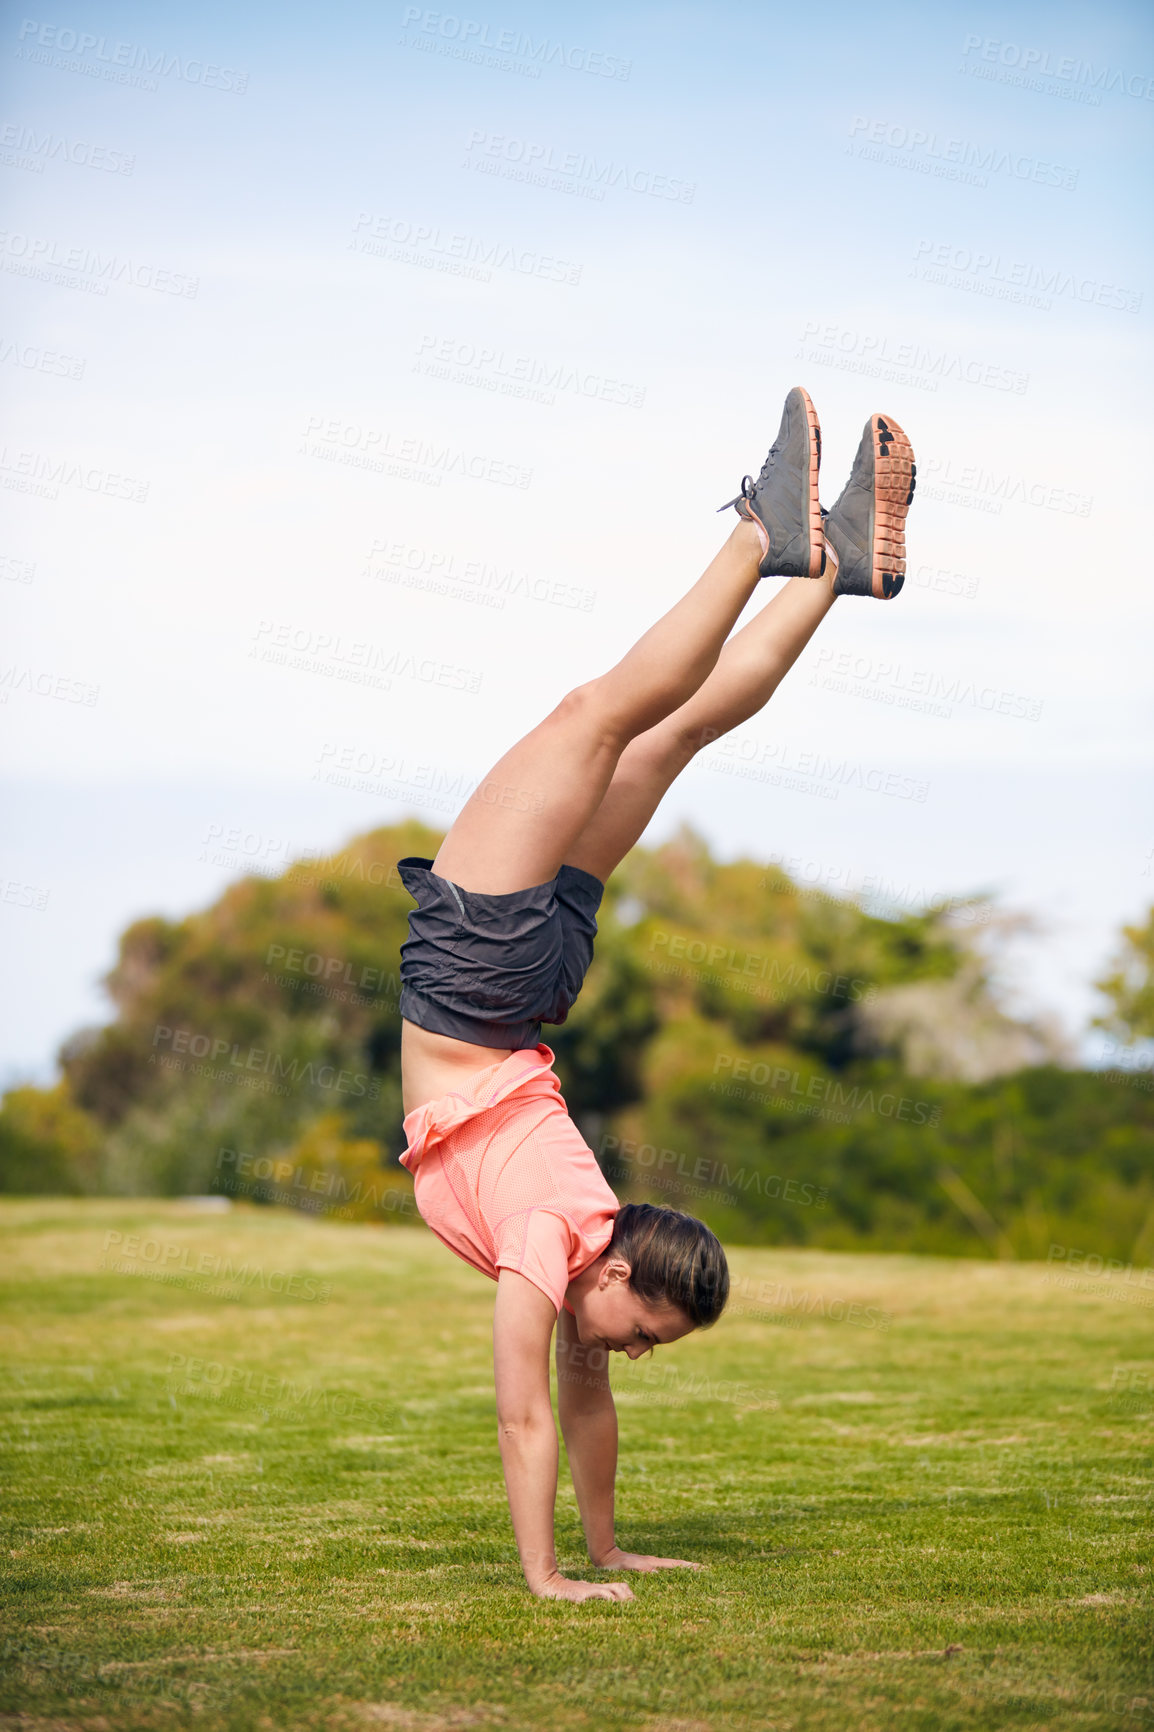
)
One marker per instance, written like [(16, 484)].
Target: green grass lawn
[(273, 1499)]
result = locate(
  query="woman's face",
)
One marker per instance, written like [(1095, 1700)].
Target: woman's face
[(611, 1315)]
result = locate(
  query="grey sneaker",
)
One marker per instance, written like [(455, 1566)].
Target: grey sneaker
[(867, 526), (784, 498)]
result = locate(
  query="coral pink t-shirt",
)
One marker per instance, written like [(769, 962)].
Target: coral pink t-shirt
[(505, 1179)]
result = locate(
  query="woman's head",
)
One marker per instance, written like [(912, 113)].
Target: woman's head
[(661, 1275)]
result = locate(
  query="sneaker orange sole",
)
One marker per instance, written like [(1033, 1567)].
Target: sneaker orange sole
[(816, 534), (895, 477)]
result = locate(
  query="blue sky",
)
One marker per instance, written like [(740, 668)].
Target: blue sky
[(376, 375)]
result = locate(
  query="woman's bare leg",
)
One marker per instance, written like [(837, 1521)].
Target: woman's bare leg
[(748, 672), (520, 826)]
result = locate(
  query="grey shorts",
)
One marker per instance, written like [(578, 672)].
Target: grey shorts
[(491, 969)]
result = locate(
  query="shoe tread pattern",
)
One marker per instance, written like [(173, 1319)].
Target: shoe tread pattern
[(895, 479)]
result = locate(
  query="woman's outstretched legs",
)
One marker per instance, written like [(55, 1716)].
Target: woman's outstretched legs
[(748, 672), (521, 825)]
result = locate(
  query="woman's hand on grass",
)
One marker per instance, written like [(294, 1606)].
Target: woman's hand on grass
[(616, 1559), (558, 1587)]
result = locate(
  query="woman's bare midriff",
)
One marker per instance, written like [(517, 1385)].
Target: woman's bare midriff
[(433, 1065)]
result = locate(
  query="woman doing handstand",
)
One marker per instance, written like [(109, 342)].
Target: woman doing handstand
[(500, 942)]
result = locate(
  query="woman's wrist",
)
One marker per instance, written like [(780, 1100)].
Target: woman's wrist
[(540, 1568), (604, 1556)]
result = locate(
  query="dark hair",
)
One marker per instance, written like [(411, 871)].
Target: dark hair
[(673, 1259)]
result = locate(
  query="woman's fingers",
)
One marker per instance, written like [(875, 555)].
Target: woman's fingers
[(606, 1591), (562, 1588)]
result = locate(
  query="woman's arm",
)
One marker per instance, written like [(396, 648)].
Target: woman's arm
[(522, 1325), (589, 1426)]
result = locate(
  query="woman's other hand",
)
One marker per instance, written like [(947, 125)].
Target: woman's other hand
[(619, 1560)]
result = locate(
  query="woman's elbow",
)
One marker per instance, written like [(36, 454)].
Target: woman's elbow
[(520, 1424)]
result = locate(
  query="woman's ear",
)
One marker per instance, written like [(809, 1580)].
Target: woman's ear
[(614, 1269)]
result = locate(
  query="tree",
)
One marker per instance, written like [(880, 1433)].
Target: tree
[(1130, 985), (48, 1144)]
